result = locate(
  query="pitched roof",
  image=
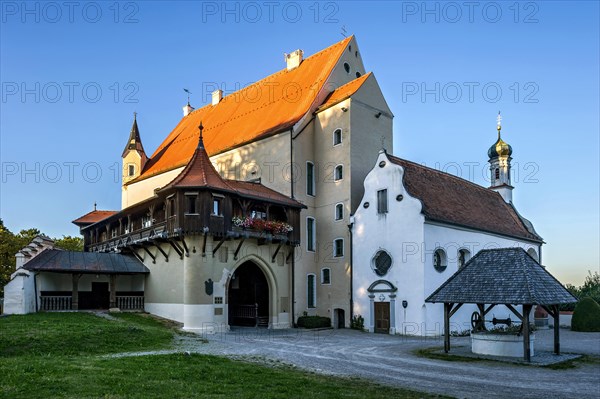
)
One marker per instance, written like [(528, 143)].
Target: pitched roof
[(266, 107), (450, 199), (199, 172), (502, 276), (55, 260), (93, 217), (345, 91)]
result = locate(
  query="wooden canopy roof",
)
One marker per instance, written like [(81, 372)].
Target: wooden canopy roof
[(502, 276)]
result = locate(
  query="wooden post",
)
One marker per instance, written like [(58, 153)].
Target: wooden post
[(526, 342), (447, 327), (556, 317), (113, 291), (75, 292)]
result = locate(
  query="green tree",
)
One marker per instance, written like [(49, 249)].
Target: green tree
[(69, 243)]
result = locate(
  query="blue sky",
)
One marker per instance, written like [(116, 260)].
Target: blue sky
[(72, 74)]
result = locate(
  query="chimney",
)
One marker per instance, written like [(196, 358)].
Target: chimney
[(217, 96), (294, 59), (187, 109)]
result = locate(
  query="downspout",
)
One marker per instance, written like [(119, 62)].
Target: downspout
[(351, 270), (294, 249)]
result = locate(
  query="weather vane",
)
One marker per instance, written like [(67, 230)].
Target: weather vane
[(343, 32), (188, 94)]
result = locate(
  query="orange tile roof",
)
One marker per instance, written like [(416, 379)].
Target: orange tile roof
[(93, 217), (450, 199), (345, 91), (268, 106)]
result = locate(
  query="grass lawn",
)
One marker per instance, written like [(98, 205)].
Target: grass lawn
[(60, 355)]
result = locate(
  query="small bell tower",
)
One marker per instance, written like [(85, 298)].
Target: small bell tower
[(134, 158), (499, 158)]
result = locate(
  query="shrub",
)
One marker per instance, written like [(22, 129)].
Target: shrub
[(314, 321), (586, 316), (357, 323)]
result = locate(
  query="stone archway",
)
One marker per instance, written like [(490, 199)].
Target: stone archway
[(249, 296)]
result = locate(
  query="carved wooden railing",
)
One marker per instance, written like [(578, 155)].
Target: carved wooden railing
[(50, 303), (130, 302)]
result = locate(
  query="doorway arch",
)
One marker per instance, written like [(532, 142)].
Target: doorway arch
[(249, 296)]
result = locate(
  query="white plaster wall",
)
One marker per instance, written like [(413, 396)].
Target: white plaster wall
[(394, 232), (19, 294), (144, 189)]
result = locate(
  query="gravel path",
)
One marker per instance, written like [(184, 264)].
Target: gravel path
[(390, 360)]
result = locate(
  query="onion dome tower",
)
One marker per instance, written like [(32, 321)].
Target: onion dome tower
[(499, 158)]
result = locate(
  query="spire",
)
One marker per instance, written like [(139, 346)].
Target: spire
[(499, 122), (201, 138), (135, 141)]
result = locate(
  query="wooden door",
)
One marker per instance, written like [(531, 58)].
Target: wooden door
[(382, 317)]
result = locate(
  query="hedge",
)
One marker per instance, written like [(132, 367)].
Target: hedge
[(586, 316), (314, 321)]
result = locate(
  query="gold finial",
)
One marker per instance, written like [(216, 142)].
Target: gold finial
[(499, 120), (134, 115)]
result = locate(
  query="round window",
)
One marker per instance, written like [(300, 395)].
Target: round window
[(382, 262), (439, 260)]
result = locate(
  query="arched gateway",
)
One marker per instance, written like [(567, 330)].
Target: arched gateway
[(248, 296)]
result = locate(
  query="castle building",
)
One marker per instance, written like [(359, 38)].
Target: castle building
[(254, 210)]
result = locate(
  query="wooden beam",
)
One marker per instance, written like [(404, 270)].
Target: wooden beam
[(218, 245), (157, 245), (177, 248), (187, 250), (554, 311), (289, 255), (526, 337), (138, 257), (488, 309), (515, 311), (204, 245), (150, 254), (237, 250), (447, 307), (458, 305), (277, 251)]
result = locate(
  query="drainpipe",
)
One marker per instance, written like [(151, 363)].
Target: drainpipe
[(293, 309), (351, 269)]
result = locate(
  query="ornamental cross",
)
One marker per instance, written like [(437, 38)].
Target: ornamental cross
[(499, 119)]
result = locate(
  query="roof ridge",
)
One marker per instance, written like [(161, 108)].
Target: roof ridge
[(276, 73), (478, 186)]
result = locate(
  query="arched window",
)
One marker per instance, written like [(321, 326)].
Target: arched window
[(338, 174), (339, 211), (347, 67), (497, 173), (338, 247), (439, 260), (337, 137), (311, 291), (463, 257)]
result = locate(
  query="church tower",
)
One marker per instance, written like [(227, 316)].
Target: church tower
[(499, 158), (134, 157)]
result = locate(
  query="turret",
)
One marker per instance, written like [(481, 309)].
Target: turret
[(499, 158), (134, 157)]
